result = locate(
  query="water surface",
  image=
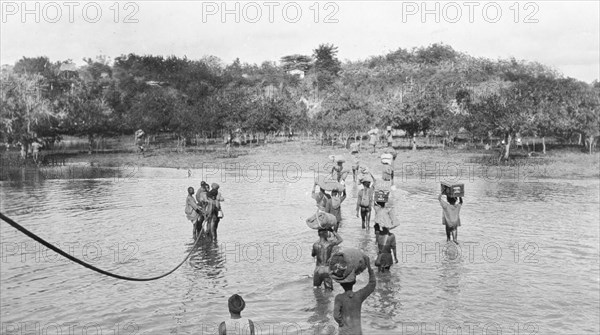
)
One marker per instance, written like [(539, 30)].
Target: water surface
[(528, 262)]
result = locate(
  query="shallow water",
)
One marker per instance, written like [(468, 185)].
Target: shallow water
[(528, 262)]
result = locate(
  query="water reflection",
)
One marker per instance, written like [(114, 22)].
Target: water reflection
[(208, 259), (323, 306), (559, 216), (450, 269), (386, 301)]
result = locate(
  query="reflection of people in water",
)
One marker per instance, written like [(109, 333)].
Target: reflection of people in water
[(236, 324), (322, 250), (319, 318)]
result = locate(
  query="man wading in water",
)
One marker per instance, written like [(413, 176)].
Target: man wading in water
[(451, 216), (322, 249), (192, 210), (364, 203), (347, 306), (202, 200)]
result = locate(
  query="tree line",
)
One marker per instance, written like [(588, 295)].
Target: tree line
[(429, 90)]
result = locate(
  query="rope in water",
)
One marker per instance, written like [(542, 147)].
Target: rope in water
[(89, 266)]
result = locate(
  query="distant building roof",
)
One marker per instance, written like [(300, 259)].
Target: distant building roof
[(296, 72), (156, 83), (68, 67)]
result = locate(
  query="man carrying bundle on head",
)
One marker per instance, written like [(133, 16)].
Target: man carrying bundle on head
[(344, 266), (338, 173), (364, 202), (338, 195), (384, 216), (322, 199), (451, 216), (322, 250), (387, 175)]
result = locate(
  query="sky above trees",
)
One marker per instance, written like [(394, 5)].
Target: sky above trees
[(563, 35)]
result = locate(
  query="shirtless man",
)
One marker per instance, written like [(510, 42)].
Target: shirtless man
[(338, 173), (202, 200), (322, 250), (347, 306), (337, 198)]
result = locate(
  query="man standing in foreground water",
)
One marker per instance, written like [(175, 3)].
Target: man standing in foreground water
[(236, 324), (347, 306)]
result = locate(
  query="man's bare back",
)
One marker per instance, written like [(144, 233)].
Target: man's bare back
[(322, 250)]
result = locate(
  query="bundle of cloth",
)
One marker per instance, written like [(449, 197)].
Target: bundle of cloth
[(387, 158), (364, 175), (326, 183), (337, 158), (321, 220), (346, 264)]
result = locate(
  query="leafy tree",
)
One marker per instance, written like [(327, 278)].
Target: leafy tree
[(327, 67), (25, 114), (297, 62)]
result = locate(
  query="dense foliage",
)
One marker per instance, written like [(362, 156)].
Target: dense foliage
[(428, 90)]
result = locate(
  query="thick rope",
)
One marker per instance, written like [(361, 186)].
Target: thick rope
[(89, 266)]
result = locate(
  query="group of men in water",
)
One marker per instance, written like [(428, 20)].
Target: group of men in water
[(347, 305), (204, 211), (373, 197)]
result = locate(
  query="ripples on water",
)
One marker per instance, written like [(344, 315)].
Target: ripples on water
[(528, 262)]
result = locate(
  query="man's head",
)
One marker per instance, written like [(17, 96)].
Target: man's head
[(366, 183), (190, 190), (385, 230), (212, 194), (348, 286), (340, 163), (203, 185), (214, 186), (451, 200), (324, 233), (236, 304)]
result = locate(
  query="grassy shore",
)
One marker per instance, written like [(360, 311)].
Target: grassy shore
[(557, 163)]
